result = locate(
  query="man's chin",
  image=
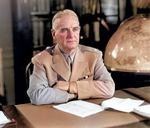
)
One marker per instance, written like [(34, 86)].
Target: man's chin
[(72, 47)]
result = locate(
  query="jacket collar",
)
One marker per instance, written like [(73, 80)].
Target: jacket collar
[(78, 66)]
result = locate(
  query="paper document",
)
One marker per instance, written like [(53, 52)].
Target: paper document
[(79, 108), (121, 104), (3, 119), (83, 108), (143, 110)]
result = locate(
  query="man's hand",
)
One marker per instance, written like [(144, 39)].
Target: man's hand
[(67, 86), (71, 96), (62, 85)]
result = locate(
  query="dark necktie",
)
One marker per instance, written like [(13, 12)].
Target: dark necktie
[(69, 62)]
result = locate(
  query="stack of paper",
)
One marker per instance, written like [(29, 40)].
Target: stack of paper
[(143, 110), (3, 119), (79, 108), (121, 104)]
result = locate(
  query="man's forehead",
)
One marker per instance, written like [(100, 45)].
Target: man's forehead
[(60, 24), (67, 16)]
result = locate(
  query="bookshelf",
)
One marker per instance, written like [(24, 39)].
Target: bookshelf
[(40, 19), (41, 12), (91, 15)]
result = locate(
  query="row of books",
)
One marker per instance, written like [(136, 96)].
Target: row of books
[(40, 5), (41, 29), (43, 6)]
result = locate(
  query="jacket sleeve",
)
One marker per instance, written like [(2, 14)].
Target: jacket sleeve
[(39, 90), (102, 85)]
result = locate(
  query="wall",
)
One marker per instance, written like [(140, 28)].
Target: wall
[(6, 42)]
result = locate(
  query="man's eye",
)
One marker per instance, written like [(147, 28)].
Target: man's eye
[(76, 29), (64, 30)]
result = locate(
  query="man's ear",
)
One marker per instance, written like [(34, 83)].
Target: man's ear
[(53, 33)]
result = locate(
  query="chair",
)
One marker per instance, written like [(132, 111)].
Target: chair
[(28, 72)]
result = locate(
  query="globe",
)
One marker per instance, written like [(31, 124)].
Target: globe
[(128, 49)]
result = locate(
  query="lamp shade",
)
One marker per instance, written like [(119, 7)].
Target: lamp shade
[(128, 49)]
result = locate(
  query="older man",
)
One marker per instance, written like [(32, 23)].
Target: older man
[(55, 80)]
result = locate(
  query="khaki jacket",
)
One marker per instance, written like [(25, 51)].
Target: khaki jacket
[(87, 61)]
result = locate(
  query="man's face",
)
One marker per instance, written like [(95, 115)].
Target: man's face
[(66, 33)]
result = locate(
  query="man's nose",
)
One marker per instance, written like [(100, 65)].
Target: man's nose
[(70, 33)]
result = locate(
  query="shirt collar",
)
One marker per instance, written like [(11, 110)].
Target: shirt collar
[(72, 55)]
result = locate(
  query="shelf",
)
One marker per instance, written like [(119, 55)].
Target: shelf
[(40, 13)]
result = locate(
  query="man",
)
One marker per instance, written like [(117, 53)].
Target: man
[(54, 80)]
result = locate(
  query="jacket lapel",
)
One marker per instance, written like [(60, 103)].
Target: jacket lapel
[(59, 62), (78, 66)]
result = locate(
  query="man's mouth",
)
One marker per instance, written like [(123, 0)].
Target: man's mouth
[(70, 42)]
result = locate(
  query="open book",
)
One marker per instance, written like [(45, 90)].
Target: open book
[(82, 108)]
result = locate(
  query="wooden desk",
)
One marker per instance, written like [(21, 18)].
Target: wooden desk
[(142, 93), (145, 89), (44, 116)]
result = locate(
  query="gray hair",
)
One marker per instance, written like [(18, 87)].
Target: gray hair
[(63, 13)]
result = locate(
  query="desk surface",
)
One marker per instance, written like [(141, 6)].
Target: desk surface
[(142, 93), (145, 89), (44, 116)]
